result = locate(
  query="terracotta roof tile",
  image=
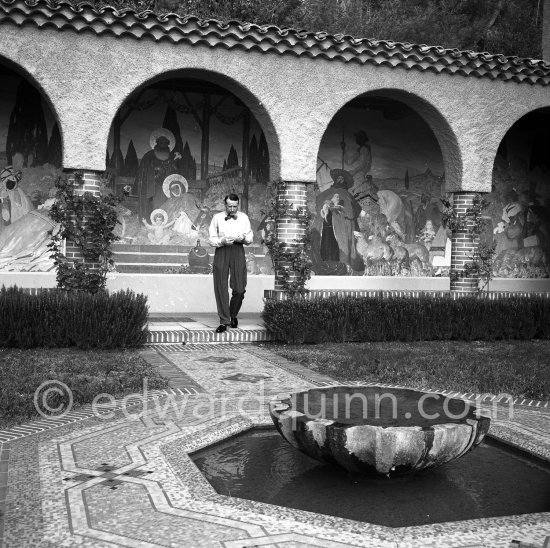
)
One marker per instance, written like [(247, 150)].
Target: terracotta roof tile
[(192, 30)]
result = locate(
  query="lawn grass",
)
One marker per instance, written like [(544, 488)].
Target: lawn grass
[(87, 373), (519, 368)]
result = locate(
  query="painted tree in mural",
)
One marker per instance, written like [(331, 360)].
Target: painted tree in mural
[(188, 163), (131, 161), (117, 159), (263, 160), (232, 159), (27, 131), (253, 159), (171, 123), (54, 148)]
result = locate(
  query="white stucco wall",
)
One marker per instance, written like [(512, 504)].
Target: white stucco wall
[(87, 78)]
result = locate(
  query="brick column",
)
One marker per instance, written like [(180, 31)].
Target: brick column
[(90, 183), (289, 228), (463, 245)]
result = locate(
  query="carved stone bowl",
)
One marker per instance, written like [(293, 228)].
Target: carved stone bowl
[(379, 430)]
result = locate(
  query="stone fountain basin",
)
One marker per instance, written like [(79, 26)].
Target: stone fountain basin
[(379, 430)]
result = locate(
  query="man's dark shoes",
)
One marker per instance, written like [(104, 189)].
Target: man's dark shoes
[(234, 323), (221, 328)]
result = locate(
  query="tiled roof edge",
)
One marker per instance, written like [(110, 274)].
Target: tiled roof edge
[(61, 15)]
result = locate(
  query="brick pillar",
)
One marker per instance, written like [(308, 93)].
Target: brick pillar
[(463, 245), (90, 183), (289, 228)]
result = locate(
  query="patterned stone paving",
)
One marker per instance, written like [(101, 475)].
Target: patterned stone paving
[(127, 480)]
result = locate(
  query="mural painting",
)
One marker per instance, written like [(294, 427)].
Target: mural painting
[(519, 211), (30, 162), (177, 148), (377, 201), (188, 144)]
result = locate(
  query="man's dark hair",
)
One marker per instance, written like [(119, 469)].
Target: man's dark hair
[(232, 197)]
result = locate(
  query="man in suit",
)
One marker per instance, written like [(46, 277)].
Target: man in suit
[(229, 231)]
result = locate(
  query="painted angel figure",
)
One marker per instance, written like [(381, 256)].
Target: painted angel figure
[(159, 220)]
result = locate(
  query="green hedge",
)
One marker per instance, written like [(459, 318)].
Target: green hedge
[(389, 318), (57, 318)]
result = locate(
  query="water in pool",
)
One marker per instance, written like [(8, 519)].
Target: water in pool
[(491, 481)]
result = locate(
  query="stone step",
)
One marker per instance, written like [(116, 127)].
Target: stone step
[(201, 336), (157, 259), (161, 268), (141, 253)]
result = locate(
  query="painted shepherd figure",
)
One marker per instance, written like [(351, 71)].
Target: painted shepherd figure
[(229, 231), (337, 212)]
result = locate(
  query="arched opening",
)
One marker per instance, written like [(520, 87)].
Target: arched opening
[(377, 201), (177, 147), (519, 201), (30, 162)]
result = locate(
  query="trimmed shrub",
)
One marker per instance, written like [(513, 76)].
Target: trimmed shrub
[(399, 318), (57, 318)]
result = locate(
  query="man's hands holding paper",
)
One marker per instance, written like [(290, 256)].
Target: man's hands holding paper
[(229, 240)]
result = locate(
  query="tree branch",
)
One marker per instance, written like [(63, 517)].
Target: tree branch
[(494, 16)]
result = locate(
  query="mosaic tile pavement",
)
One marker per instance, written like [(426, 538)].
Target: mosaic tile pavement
[(125, 478)]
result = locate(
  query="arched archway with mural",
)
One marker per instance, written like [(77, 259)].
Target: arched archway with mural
[(30, 162), (377, 200), (519, 202), (177, 147)]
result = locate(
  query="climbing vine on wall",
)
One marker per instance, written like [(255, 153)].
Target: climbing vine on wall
[(474, 223), (87, 221), (480, 266), (292, 261)]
